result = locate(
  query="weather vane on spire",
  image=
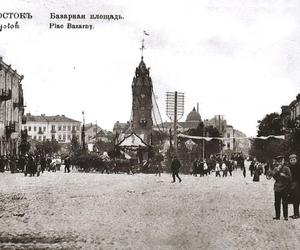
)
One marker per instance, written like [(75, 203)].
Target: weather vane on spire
[(143, 41)]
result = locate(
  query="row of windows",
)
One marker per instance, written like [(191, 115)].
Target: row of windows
[(53, 137), (53, 128)]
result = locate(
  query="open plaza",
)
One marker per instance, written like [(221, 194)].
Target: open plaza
[(142, 211)]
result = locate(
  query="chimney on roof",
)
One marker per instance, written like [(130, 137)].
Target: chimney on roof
[(197, 107)]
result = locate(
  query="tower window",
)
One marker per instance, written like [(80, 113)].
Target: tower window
[(143, 122)]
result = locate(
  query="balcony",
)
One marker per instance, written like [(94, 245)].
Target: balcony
[(5, 95)]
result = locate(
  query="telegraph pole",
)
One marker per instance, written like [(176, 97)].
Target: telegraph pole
[(203, 148), (175, 110), (175, 121)]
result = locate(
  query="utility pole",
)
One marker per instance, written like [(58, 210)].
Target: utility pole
[(175, 122), (203, 148), (175, 110), (83, 132), (96, 131)]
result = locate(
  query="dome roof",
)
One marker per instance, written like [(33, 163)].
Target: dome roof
[(193, 116)]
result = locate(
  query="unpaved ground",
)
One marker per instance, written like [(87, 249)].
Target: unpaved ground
[(95, 211)]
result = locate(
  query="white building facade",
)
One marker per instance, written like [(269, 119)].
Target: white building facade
[(59, 128)]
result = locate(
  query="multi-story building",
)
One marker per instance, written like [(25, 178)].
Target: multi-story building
[(91, 132), (58, 127), (290, 115), (235, 141), (11, 109)]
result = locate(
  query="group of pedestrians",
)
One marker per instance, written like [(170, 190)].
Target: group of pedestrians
[(222, 165), (286, 186), (12, 163), (31, 164)]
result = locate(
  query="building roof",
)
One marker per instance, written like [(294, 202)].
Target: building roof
[(120, 126), (44, 118), (8, 67), (193, 116), (132, 141), (91, 125)]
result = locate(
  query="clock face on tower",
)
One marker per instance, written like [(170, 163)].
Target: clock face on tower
[(143, 122)]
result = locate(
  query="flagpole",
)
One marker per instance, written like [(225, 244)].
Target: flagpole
[(83, 131)]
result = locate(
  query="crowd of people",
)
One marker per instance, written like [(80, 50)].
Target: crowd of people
[(222, 165), (31, 164)]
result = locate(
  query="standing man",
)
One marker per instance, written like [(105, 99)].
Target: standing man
[(67, 164), (282, 175), (2, 164), (175, 166), (295, 185)]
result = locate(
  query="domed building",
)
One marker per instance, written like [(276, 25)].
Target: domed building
[(193, 116), (193, 119)]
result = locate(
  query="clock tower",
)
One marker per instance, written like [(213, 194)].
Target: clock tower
[(142, 102)]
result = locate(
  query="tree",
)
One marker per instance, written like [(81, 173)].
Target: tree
[(211, 147), (270, 125), (48, 147), (75, 148), (265, 150)]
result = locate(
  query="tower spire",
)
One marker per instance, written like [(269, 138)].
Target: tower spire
[(143, 44)]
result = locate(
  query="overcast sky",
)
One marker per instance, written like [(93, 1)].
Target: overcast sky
[(240, 59)]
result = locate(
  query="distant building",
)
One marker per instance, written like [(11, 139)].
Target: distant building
[(295, 109), (11, 109), (121, 127), (91, 131), (94, 133), (219, 122), (192, 121), (235, 141), (58, 127), (290, 115), (230, 135)]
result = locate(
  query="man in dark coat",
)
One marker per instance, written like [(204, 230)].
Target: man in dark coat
[(295, 184), (2, 164), (67, 165), (175, 166), (282, 175)]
